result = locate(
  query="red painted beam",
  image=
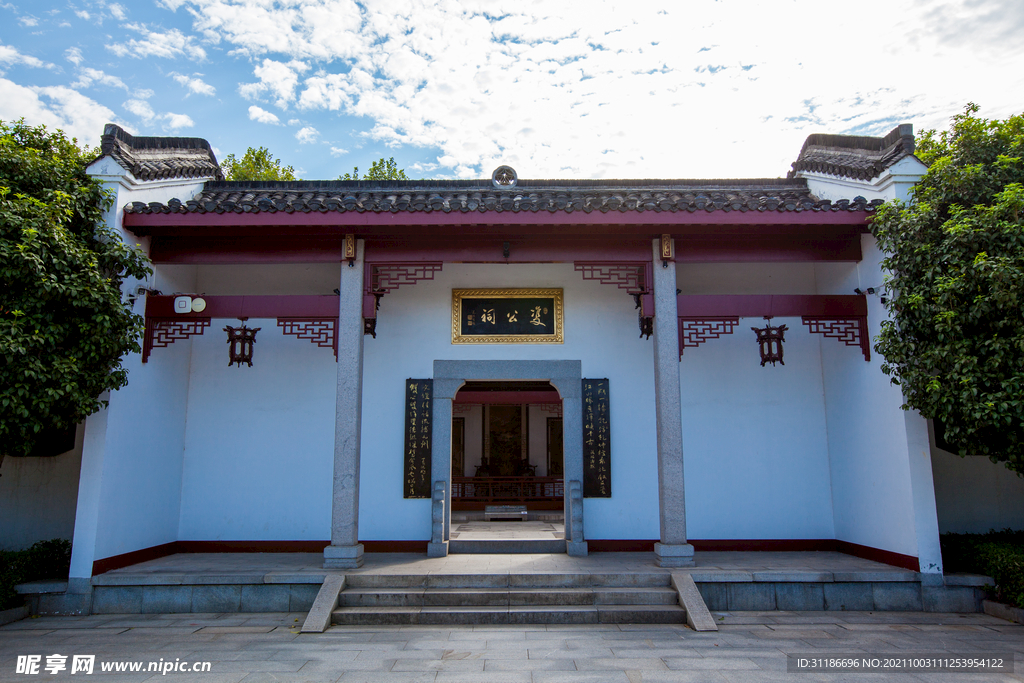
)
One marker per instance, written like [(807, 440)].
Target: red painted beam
[(369, 223), (780, 305), (506, 397), (296, 306)]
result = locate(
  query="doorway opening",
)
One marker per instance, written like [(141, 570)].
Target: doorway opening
[(507, 451)]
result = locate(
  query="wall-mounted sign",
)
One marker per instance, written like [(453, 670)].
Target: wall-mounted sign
[(597, 442), (507, 316), (418, 409)]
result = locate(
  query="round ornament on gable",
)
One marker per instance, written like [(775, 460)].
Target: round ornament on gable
[(504, 176)]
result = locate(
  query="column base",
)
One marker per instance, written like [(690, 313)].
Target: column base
[(576, 549), (343, 556), (674, 555), (439, 549)]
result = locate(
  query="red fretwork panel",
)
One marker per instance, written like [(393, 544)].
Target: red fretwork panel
[(551, 408), (382, 278), (632, 276), (850, 331), (321, 331), (161, 332), (695, 331)]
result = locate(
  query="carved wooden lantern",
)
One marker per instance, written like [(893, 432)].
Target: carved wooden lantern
[(770, 339), (240, 341)]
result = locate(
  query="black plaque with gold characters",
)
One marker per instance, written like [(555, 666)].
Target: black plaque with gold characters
[(418, 393), (597, 444), (507, 316)]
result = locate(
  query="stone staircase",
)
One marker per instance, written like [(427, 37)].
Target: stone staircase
[(642, 598)]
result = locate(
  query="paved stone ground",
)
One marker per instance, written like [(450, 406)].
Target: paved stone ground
[(750, 647)]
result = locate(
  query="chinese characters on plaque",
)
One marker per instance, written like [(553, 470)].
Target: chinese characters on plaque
[(418, 393), (597, 446), (506, 316)]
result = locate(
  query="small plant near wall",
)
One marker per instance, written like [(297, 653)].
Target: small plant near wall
[(999, 554), (44, 560)]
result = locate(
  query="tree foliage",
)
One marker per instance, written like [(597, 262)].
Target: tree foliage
[(256, 164), (955, 260), (63, 324), (379, 170)]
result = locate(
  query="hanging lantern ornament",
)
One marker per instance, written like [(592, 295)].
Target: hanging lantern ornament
[(770, 339), (240, 341)]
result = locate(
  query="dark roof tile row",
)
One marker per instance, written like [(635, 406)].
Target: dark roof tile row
[(852, 156), (152, 158), (476, 196)]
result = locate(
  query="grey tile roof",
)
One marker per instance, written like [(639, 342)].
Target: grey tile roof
[(853, 156), (151, 158), (464, 196)]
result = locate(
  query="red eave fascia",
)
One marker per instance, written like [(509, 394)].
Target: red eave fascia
[(388, 223)]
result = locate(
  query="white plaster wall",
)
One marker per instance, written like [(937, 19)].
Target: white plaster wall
[(974, 494), (129, 490), (755, 448), (414, 329), (881, 474), (38, 497), (259, 441), (895, 182)]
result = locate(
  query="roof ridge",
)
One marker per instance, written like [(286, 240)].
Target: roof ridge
[(860, 157), (182, 157)]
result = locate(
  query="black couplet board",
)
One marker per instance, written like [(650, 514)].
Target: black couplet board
[(532, 316), (418, 395), (597, 445)]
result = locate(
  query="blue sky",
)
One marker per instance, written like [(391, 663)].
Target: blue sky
[(452, 89)]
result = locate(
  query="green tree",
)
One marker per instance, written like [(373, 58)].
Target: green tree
[(955, 260), (256, 164), (63, 324), (379, 170)]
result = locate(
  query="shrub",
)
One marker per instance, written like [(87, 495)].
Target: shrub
[(999, 554), (44, 560)]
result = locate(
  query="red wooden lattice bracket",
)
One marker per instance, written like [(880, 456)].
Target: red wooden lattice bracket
[(850, 331), (695, 331), (386, 276), (633, 276), (321, 331), (162, 332)]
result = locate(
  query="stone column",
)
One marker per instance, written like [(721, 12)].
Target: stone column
[(673, 550), (345, 550), (441, 461), (571, 391)]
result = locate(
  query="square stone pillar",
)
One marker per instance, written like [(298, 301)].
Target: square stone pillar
[(441, 465), (345, 550), (570, 389), (673, 550)]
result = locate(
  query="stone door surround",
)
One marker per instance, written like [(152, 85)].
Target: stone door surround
[(449, 376)]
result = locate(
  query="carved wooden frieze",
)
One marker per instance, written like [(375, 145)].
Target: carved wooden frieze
[(850, 331), (695, 331), (320, 331), (162, 332)]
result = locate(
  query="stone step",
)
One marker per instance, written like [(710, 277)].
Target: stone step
[(517, 546), (411, 597), (508, 580), (572, 614)]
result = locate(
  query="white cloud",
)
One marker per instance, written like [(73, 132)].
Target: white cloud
[(307, 135), (144, 111), (28, 21), (88, 76), (294, 122), (262, 115), (194, 83), (141, 109), (10, 56), (74, 55), (117, 11), (143, 93), (169, 44), (277, 79), (178, 121), (647, 89), (56, 107), (82, 14), (338, 152)]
